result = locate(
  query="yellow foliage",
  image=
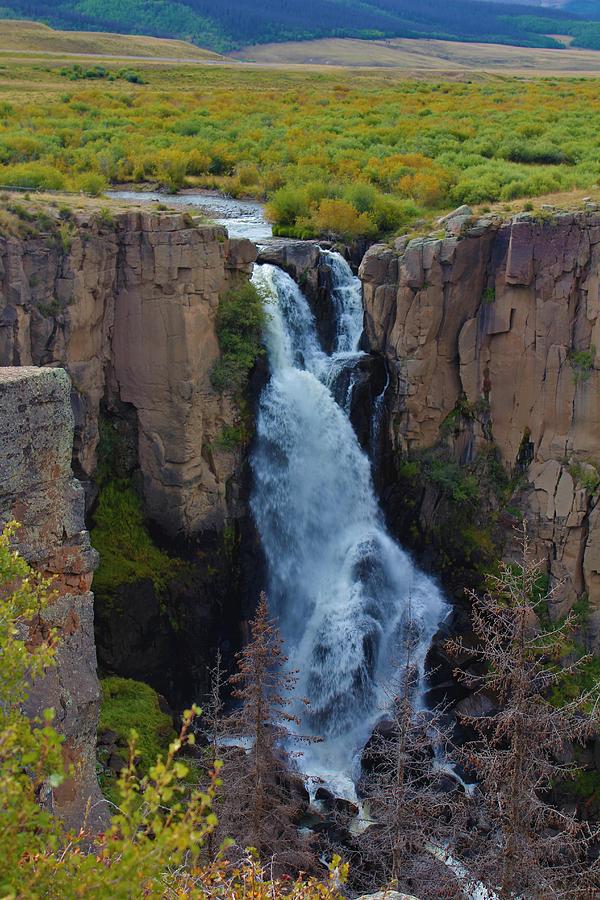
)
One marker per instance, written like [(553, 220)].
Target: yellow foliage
[(424, 187), (340, 219)]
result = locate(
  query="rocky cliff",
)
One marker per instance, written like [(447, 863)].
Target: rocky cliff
[(126, 304), (490, 334), (37, 488)]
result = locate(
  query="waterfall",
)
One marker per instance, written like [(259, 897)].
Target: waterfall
[(348, 599)]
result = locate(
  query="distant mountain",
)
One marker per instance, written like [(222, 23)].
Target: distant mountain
[(587, 8), (545, 4), (228, 24)]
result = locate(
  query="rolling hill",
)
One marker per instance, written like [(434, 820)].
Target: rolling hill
[(232, 24), (423, 58), (34, 37)]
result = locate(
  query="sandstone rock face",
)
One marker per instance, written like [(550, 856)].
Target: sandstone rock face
[(37, 488), (128, 309), (505, 317)]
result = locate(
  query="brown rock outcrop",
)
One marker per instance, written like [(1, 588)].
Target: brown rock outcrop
[(302, 260), (505, 318), (128, 308), (37, 488)]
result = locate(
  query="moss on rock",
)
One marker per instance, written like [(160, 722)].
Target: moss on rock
[(448, 513), (240, 320), (127, 551), (127, 706)]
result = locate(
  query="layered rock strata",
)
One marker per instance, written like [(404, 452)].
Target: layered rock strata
[(38, 490), (127, 306), (502, 321)]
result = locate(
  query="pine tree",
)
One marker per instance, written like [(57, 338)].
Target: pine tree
[(262, 802), (526, 847)]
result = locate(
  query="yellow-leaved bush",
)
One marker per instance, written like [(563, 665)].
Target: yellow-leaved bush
[(155, 843)]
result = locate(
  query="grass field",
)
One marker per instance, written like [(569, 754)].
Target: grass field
[(32, 37), (334, 151), (425, 56)]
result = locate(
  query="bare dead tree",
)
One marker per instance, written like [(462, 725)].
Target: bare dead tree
[(527, 848), (214, 731), (213, 711), (262, 798), (415, 807)]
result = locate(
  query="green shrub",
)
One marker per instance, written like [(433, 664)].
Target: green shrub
[(131, 76), (231, 437), (91, 183), (127, 552), (38, 176), (240, 320), (362, 196), (65, 234), (76, 72), (105, 217), (587, 476), (576, 683), (582, 363), (392, 214), (453, 480), (287, 205), (409, 469)]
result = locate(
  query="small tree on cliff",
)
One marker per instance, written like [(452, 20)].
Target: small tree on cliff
[(527, 848), (261, 802), (409, 796)]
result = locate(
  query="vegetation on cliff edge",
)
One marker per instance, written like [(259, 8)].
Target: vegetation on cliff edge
[(335, 153)]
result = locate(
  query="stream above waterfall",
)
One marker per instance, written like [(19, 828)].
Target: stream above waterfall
[(349, 600), (242, 218)]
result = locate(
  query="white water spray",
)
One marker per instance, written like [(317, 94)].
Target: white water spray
[(347, 597)]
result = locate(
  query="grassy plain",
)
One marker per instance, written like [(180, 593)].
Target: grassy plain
[(337, 151)]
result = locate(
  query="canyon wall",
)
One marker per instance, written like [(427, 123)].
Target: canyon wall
[(490, 334), (127, 304), (37, 488)]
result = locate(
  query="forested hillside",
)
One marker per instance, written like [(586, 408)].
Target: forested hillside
[(236, 23)]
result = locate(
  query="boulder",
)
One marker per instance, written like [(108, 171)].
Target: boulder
[(297, 258), (460, 212)]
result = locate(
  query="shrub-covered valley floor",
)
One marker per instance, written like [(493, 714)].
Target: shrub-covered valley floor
[(338, 152)]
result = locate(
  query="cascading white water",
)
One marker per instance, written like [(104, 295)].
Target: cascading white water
[(347, 597)]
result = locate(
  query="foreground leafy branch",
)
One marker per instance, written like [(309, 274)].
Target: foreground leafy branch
[(154, 846)]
